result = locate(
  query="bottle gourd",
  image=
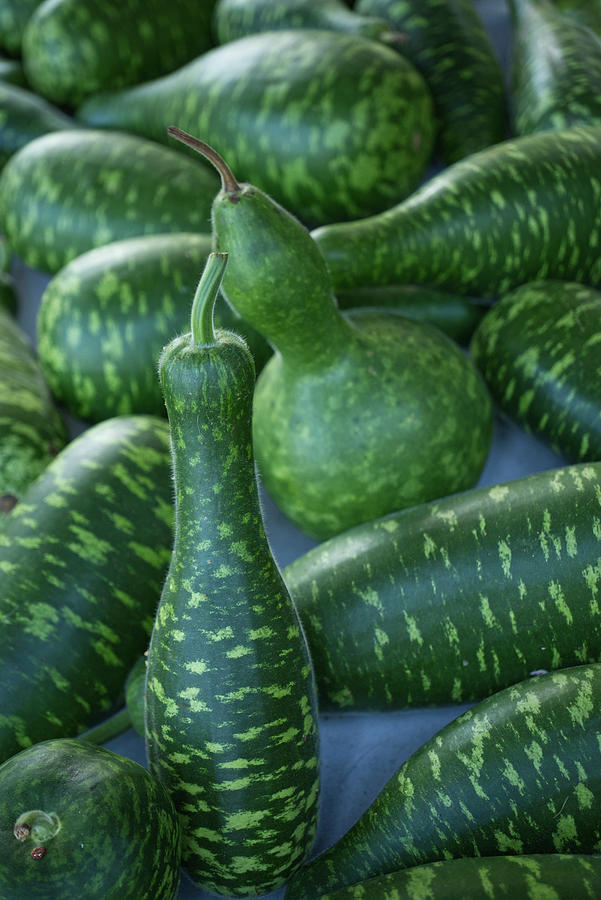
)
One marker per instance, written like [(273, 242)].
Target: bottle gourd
[(230, 696)]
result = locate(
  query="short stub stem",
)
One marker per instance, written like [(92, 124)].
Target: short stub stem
[(203, 332), (228, 182)]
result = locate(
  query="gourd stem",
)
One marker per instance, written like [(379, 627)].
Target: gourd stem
[(110, 728), (228, 182), (203, 332)]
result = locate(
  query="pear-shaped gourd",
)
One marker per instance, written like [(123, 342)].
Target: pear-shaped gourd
[(353, 418)]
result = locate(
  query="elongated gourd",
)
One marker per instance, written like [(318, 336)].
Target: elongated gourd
[(78, 820), (556, 69), (353, 417), (453, 600), (48, 223), (447, 42), (518, 773), (23, 117), (538, 350), (230, 697), (83, 557), (559, 876), (333, 126), (523, 210)]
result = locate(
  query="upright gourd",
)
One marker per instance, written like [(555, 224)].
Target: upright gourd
[(230, 698), (355, 415)]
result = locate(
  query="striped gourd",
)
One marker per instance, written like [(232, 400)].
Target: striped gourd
[(47, 222), (80, 821), (230, 696), (82, 558), (519, 773), (538, 350), (523, 210), (452, 600)]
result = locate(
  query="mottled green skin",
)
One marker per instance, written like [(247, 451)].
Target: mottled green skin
[(231, 711), (135, 694), (234, 19), (106, 316), (25, 116), (31, 430), (538, 350), (519, 773), (125, 187), (520, 211), (14, 15), (544, 876), (72, 50), (119, 836), (450, 601), (456, 316), (333, 126), (354, 416), (556, 70), (83, 557), (11, 71), (447, 42)]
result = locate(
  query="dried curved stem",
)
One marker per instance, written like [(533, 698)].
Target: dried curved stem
[(228, 182)]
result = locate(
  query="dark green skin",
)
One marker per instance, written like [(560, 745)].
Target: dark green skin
[(234, 19), (538, 350), (106, 316), (353, 416), (291, 114), (447, 42), (11, 72), (31, 430), (556, 69), (523, 210), (25, 116), (231, 710), (48, 223), (451, 601), (456, 316), (559, 876), (14, 15), (83, 558), (135, 694), (72, 50), (519, 773), (119, 836)]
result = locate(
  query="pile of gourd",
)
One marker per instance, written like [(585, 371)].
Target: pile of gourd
[(165, 164)]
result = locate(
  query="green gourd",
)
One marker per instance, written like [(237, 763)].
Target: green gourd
[(231, 711), (540, 876), (523, 210), (105, 317), (80, 821), (25, 116), (538, 351), (8, 297), (72, 50), (519, 773), (14, 15), (11, 71), (352, 418), (68, 192), (450, 601), (31, 430), (447, 42), (556, 69), (586, 12), (333, 126)]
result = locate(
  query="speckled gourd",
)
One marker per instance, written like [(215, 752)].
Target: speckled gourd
[(104, 319), (83, 558), (333, 126), (79, 820), (556, 69), (352, 418), (447, 42), (450, 601), (23, 117), (48, 223), (519, 773), (523, 210), (31, 429), (72, 50), (538, 350), (231, 711)]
